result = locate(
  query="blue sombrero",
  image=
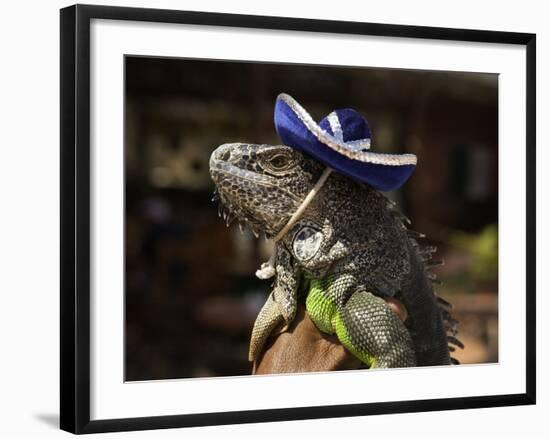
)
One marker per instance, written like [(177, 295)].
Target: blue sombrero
[(341, 141)]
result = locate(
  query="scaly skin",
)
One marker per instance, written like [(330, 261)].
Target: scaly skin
[(349, 250), (363, 322)]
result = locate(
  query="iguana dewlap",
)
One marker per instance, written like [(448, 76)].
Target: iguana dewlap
[(349, 250)]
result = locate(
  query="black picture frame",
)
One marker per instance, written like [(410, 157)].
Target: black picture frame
[(75, 217)]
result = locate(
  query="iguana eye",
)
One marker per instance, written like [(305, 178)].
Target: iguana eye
[(279, 161)]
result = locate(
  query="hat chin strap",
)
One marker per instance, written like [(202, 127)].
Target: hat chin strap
[(267, 270)]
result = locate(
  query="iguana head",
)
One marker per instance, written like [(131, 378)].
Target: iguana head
[(261, 185)]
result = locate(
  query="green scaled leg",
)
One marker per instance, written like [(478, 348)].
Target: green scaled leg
[(371, 331)]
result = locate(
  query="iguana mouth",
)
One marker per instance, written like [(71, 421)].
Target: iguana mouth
[(228, 177), (220, 164)]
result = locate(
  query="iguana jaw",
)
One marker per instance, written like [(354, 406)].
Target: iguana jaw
[(251, 196)]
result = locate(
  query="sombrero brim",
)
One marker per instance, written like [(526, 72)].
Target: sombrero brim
[(297, 129)]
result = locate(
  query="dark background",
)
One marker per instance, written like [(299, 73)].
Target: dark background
[(191, 293)]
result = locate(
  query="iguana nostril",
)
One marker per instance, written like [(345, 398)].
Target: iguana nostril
[(225, 155)]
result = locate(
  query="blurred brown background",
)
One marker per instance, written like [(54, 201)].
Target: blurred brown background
[(191, 293)]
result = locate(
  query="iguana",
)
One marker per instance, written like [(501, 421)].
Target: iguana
[(348, 251)]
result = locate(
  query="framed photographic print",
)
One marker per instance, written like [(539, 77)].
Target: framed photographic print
[(366, 155)]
